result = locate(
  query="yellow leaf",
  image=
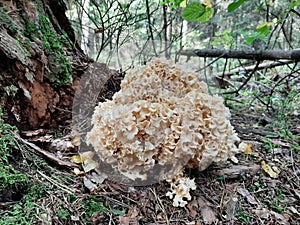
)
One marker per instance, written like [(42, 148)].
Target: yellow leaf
[(183, 4), (78, 172), (76, 159), (269, 3), (268, 169), (247, 149), (264, 24), (208, 3)]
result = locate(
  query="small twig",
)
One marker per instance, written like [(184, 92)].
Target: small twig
[(160, 204), (209, 64), (293, 165), (61, 186), (245, 82), (47, 154)]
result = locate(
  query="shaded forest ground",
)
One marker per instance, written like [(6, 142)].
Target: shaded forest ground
[(38, 188)]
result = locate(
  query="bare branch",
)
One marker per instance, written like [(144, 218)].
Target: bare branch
[(245, 54)]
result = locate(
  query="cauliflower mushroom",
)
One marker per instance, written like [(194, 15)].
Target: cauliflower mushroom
[(160, 122)]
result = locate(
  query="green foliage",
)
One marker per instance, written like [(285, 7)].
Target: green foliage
[(63, 214), (293, 4), (224, 38), (241, 215), (13, 181), (236, 4), (92, 205), (196, 11), (25, 212)]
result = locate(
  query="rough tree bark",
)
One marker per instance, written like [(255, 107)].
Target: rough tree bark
[(40, 63)]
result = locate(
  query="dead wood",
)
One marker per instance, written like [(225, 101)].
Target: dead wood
[(245, 54), (248, 69)]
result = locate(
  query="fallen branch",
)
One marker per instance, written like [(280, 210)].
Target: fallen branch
[(237, 171), (245, 54), (47, 154), (251, 68)]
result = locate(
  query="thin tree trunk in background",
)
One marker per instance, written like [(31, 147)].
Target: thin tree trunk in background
[(165, 28), (85, 26), (150, 27)]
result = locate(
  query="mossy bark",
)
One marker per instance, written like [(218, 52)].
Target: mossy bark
[(40, 63)]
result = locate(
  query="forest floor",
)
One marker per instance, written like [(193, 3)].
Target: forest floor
[(247, 192)]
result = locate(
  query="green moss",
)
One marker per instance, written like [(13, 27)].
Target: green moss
[(31, 31), (25, 211), (54, 44), (8, 175)]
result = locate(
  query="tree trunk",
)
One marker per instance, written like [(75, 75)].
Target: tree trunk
[(40, 63)]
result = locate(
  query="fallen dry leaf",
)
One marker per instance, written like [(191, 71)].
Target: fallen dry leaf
[(89, 165), (133, 212), (266, 214), (247, 149), (76, 140), (124, 220), (97, 178), (242, 146), (87, 155), (87, 161), (268, 169), (76, 159), (192, 206), (262, 213), (294, 210), (231, 205), (208, 214), (89, 184), (280, 219), (249, 197)]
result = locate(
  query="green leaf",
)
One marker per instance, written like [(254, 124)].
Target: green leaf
[(264, 30), (249, 40), (118, 212), (193, 11), (207, 15), (260, 7), (234, 5), (197, 11), (294, 3)]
